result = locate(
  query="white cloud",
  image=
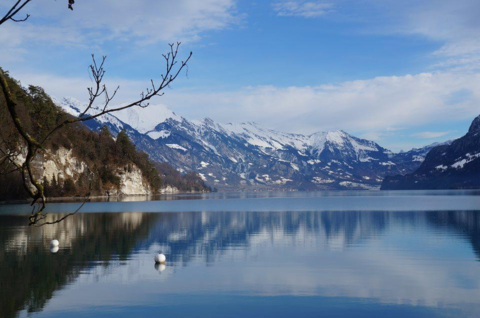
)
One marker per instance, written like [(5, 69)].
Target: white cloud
[(431, 134), (140, 21), (375, 109), (453, 24), (394, 128), (305, 9), (365, 107), (373, 135), (373, 105), (58, 86)]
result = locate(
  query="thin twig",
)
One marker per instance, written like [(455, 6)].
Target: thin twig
[(34, 188), (64, 217)]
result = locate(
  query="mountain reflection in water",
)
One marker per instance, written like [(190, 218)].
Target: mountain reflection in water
[(418, 260)]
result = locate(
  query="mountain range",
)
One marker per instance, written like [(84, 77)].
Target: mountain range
[(452, 166), (246, 155)]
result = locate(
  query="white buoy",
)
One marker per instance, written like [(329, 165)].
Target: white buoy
[(160, 258), (54, 249), (54, 243), (160, 267)]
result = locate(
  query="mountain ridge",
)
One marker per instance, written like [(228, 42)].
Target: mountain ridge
[(246, 155), (450, 166)]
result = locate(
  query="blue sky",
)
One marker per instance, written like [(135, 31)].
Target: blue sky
[(403, 74)]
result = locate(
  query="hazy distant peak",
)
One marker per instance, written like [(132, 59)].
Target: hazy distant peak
[(143, 120)]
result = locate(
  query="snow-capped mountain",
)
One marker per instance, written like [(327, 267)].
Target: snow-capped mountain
[(404, 159), (455, 165), (248, 155)]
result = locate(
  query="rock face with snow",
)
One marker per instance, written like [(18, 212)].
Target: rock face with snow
[(236, 156), (453, 166)]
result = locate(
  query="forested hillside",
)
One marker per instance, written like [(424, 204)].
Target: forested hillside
[(76, 160), (184, 183)]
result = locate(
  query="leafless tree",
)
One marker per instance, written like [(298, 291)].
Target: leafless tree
[(96, 107), (14, 10), (19, 6)]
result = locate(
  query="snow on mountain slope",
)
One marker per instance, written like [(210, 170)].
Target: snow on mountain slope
[(75, 107), (141, 119), (247, 155), (146, 119), (258, 136), (340, 140), (451, 165)]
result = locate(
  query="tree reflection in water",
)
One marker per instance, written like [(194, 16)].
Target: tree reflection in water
[(30, 273)]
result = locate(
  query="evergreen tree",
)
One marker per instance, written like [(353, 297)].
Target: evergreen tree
[(125, 147)]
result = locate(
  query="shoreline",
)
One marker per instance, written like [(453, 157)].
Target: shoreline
[(100, 198), (228, 194)]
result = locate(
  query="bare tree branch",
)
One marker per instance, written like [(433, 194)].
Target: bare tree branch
[(21, 20), (33, 187), (85, 199), (97, 72), (18, 6), (9, 155), (14, 10)]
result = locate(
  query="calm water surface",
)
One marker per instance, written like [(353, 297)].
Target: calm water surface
[(338, 254)]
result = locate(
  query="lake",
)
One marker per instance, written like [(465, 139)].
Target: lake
[(304, 254)]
